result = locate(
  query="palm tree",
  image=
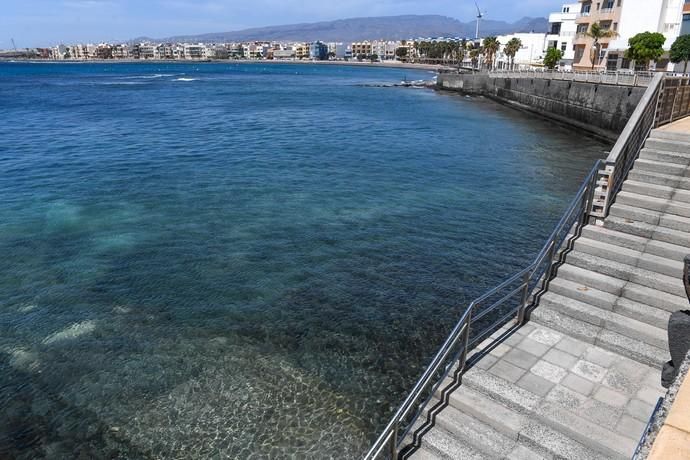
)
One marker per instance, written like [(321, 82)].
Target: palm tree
[(475, 52), (491, 46), (598, 33), (511, 49)]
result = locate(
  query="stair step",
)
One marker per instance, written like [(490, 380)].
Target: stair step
[(590, 279), (577, 291), (478, 435), (641, 276), (672, 135), (423, 453), (634, 213), (439, 444), (643, 312), (677, 208), (521, 452), (668, 145), (618, 343), (637, 310), (605, 235), (606, 319), (657, 233), (654, 297), (660, 167), (543, 434), (636, 243), (678, 158), (656, 191), (655, 178), (631, 257)]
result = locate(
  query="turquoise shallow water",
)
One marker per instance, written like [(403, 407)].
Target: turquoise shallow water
[(247, 261)]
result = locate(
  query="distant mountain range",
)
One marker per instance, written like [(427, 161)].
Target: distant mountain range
[(354, 29)]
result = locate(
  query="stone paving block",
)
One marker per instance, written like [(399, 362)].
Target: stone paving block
[(513, 340), (600, 413), (620, 382), (520, 358), (560, 358), (533, 347), (535, 384), (630, 427), (524, 453), (545, 336), (649, 395), (566, 398), (653, 378), (549, 371), (601, 357), (572, 346), (500, 350), (611, 397), (639, 410), (486, 362), (507, 371), (590, 371), (527, 329), (577, 383)]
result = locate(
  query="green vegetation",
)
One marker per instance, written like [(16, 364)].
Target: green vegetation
[(448, 50), (680, 51), (401, 53), (490, 46), (511, 49), (552, 58), (645, 47), (598, 33)]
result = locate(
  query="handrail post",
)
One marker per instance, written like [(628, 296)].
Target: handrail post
[(523, 301), (465, 342), (394, 441)]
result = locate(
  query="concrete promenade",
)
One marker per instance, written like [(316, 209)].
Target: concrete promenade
[(581, 378)]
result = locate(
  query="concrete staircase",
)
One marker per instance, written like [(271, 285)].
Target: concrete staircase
[(580, 380)]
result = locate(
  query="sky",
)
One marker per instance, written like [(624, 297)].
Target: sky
[(34, 23)]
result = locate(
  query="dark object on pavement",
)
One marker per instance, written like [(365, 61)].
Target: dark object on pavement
[(678, 335)]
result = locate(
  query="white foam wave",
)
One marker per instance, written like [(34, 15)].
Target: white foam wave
[(185, 79)]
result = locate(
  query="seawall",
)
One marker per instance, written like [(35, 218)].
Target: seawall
[(599, 109)]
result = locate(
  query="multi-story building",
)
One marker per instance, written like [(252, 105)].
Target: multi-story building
[(685, 25), (531, 52), (194, 52), (561, 33), (120, 52), (318, 51), (362, 49), (626, 18), (302, 51), (148, 51)]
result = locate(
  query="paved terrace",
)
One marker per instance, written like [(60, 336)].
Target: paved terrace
[(581, 379)]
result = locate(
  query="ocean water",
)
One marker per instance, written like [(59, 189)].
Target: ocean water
[(247, 261)]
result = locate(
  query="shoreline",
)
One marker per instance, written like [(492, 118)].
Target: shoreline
[(384, 64)]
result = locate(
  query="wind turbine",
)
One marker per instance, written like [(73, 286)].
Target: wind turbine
[(480, 15)]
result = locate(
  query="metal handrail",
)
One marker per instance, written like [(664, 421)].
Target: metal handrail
[(628, 147), (601, 77), (513, 295)]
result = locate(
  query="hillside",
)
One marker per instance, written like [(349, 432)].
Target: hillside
[(388, 27)]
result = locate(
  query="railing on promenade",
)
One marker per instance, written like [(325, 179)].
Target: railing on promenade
[(483, 317), (674, 101), (606, 78), (627, 148)]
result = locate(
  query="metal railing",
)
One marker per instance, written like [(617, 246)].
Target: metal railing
[(674, 101), (605, 78), (627, 148), (484, 316)]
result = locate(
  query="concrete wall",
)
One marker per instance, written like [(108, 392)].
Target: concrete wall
[(602, 110)]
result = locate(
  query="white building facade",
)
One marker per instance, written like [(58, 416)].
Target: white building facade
[(561, 34)]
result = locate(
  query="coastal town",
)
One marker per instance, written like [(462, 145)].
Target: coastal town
[(581, 36)]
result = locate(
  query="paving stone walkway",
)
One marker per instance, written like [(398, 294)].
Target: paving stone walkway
[(581, 378)]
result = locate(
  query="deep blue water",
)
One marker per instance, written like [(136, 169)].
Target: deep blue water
[(247, 261)]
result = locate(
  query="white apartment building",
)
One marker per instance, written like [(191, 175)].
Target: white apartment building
[(530, 54), (339, 50), (627, 18), (194, 51), (561, 33)]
